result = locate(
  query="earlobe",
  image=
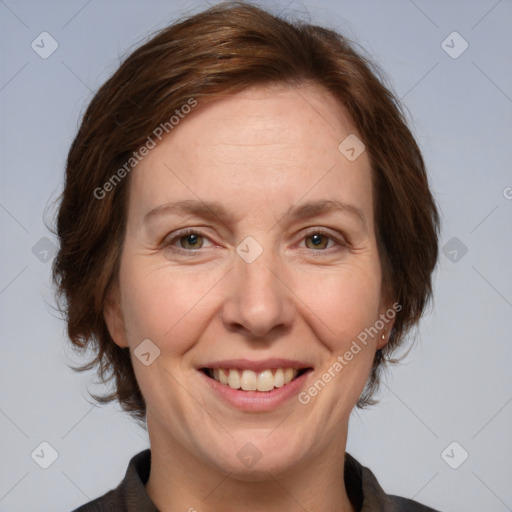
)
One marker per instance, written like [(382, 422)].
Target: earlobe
[(114, 317), (382, 341), (386, 321)]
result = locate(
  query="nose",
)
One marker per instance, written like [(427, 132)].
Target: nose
[(259, 302)]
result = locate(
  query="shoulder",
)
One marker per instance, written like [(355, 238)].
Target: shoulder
[(130, 495), (107, 502), (367, 495), (405, 505)]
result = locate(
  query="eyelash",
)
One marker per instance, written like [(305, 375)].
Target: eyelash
[(191, 252)]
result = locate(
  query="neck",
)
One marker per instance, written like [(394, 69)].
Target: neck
[(179, 481)]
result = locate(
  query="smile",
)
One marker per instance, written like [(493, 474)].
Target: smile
[(248, 380), (256, 386)]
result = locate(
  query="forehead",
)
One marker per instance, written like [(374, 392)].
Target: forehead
[(269, 144)]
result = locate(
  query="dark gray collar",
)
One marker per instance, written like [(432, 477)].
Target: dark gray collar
[(363, 490)]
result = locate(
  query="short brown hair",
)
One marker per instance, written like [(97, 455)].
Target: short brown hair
[(220, 51)]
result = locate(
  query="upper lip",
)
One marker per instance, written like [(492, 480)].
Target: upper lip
[(256, 366)]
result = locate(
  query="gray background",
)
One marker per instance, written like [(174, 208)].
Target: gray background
[(456, 383)]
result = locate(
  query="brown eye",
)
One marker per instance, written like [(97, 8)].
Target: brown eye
[(191, 241), (317, 241)]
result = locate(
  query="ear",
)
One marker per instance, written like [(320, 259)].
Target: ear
[(114, 317), (387, 315)]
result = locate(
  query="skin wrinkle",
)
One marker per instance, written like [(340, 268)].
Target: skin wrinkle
[(286, 303)]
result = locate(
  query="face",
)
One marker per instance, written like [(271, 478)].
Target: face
[(250, 257)]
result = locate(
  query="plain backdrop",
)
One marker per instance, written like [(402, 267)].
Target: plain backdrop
[(454, 387)]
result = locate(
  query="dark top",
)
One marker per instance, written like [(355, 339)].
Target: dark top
[(363, 490)]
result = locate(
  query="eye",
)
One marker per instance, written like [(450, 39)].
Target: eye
[(319, 241), (187, 241), (191, 241)]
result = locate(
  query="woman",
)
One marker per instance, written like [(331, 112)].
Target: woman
[(247, 234)]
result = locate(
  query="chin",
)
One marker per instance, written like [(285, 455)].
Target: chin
[(254, 457)]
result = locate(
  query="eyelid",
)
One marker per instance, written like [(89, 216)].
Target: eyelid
[(339, 239), (172, 238)]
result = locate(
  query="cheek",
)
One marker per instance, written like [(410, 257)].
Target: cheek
[(170, 308), (344, 307), (343, 303)]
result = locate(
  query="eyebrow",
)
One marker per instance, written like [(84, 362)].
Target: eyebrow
[(214, 210), (204, 209), (323, 207)]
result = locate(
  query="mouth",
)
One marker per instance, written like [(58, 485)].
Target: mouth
[(262, 381)]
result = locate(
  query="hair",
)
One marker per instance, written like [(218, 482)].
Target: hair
[(218, 52)]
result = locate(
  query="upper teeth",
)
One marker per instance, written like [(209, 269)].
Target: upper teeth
[(252, 381)]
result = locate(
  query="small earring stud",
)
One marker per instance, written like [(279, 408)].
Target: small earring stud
[(383, 336)]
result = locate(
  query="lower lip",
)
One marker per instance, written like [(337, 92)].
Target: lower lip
[(257, 401)]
